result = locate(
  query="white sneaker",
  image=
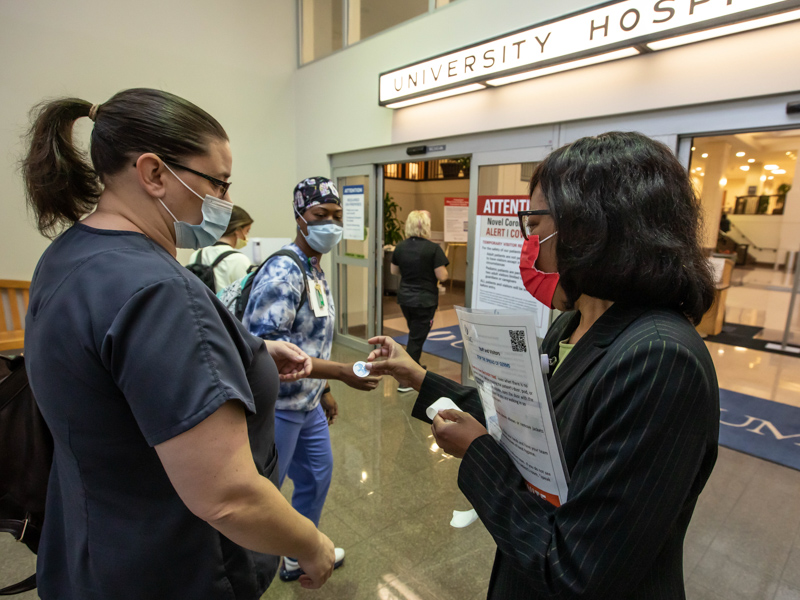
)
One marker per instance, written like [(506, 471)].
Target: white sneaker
[(291, 571)]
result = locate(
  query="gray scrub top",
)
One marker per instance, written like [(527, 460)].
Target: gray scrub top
[(126, 349)]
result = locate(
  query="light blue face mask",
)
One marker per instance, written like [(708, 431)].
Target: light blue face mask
[(216, 216), (323, 235)]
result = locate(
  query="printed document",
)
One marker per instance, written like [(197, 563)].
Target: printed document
[(503, 352)]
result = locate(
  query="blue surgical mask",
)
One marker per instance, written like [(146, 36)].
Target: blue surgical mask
[(323, 235), (216, 215)]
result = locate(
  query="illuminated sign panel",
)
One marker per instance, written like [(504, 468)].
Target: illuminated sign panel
[(615, 26)]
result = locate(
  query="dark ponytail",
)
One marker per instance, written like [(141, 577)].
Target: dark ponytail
[(62, 187)]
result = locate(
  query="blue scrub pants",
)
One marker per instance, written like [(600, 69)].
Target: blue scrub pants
[(304, 453)]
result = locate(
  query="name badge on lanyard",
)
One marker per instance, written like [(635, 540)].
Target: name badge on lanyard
[(317, 297)]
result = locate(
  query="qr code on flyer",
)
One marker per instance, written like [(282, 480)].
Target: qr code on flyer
[(518, 340)]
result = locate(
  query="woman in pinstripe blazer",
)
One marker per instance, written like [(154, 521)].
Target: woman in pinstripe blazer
[(636, 399)]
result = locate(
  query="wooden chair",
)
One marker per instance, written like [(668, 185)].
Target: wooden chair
[(13, 297)]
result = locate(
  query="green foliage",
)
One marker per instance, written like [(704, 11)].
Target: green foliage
[(783, 189), (392, 225)]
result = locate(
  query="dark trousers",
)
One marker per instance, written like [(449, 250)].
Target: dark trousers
[(420, 320)]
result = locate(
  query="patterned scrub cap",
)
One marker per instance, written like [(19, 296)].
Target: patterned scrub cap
[(313, 191)]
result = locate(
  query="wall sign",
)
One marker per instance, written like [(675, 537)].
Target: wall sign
[(456, 219), (614, 30)]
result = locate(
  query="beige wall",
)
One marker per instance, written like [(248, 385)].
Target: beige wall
[(236, 60)]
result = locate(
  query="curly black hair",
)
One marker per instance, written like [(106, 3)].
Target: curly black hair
[(629, 223)]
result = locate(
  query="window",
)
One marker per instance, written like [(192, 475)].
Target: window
[(330, 25), (322, 28)]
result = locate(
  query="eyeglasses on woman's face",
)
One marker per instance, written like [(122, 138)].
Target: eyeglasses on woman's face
[(222, 185), (527, 225)]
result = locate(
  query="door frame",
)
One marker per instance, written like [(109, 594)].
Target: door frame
[(374, 270)]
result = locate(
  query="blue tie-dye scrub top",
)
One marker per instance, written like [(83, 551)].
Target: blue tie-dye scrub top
[(272, 314)]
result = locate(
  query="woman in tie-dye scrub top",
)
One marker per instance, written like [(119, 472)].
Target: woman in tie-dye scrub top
[(293, 304)]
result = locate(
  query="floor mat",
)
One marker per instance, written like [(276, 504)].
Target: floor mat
[(762, 428), (444, 342), (733, 334)]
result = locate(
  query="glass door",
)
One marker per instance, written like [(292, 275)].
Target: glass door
[(355, 269), (498, 190)]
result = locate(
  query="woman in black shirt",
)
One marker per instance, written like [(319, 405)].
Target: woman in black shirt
[(420, 264), (149, 386)]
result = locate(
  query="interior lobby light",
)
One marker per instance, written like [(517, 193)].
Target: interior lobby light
[(770, 167), (745, 167), (704, 155), (709, 34), (763, 178), (693, 149), (751, 160), (788, 153), (779, 172), (723, 182), (771, 177), (740, 154), (575, 64), (445, 94)]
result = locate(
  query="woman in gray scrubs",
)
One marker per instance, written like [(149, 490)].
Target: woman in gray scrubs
[(148, 384)]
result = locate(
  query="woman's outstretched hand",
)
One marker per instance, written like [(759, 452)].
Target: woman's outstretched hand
[(292, 363), (396, 362)]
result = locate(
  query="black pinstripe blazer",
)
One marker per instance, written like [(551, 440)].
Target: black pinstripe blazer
[(637, 407)]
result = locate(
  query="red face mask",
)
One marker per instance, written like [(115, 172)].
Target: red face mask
[(541, 286)]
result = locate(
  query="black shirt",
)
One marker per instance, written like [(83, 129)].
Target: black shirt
[(417, 259), (126, 349)]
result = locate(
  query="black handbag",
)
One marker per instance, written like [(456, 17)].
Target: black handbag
[(26, 455)]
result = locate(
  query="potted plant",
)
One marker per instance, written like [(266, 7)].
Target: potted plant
[(392, 235), (463, 164)]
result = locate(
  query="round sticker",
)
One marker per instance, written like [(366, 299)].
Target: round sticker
[(360, 369)]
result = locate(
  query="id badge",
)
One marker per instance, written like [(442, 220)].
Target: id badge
[(317, 298)]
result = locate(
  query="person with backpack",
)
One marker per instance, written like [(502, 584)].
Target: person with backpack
[(221, 264), (291, 301), (147, 383)]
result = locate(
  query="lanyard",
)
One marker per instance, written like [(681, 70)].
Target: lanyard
[(318, 289)]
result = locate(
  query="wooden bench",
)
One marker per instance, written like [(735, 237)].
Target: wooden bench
[(13, 307)]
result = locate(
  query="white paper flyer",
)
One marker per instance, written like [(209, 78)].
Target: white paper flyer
[(503, 353)]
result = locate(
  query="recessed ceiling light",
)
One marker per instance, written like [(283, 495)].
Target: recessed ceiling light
[(704, 155), (770, 177), (745, 167), (779, 172), (751, 160), (693, 149), (789, 153), (740, 154), (763, 178), (702, 174), (723, 182), (770, 167)]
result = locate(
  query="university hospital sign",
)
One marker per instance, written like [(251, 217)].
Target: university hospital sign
[(612, 31)]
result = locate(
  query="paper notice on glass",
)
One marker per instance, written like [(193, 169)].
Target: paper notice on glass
[(353, 209), (502, 351)]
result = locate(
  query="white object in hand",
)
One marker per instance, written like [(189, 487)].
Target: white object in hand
[(441, 404), (360, 369), (463, 518)]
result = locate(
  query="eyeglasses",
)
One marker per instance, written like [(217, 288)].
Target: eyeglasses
[(222, 185), (523, 219)]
